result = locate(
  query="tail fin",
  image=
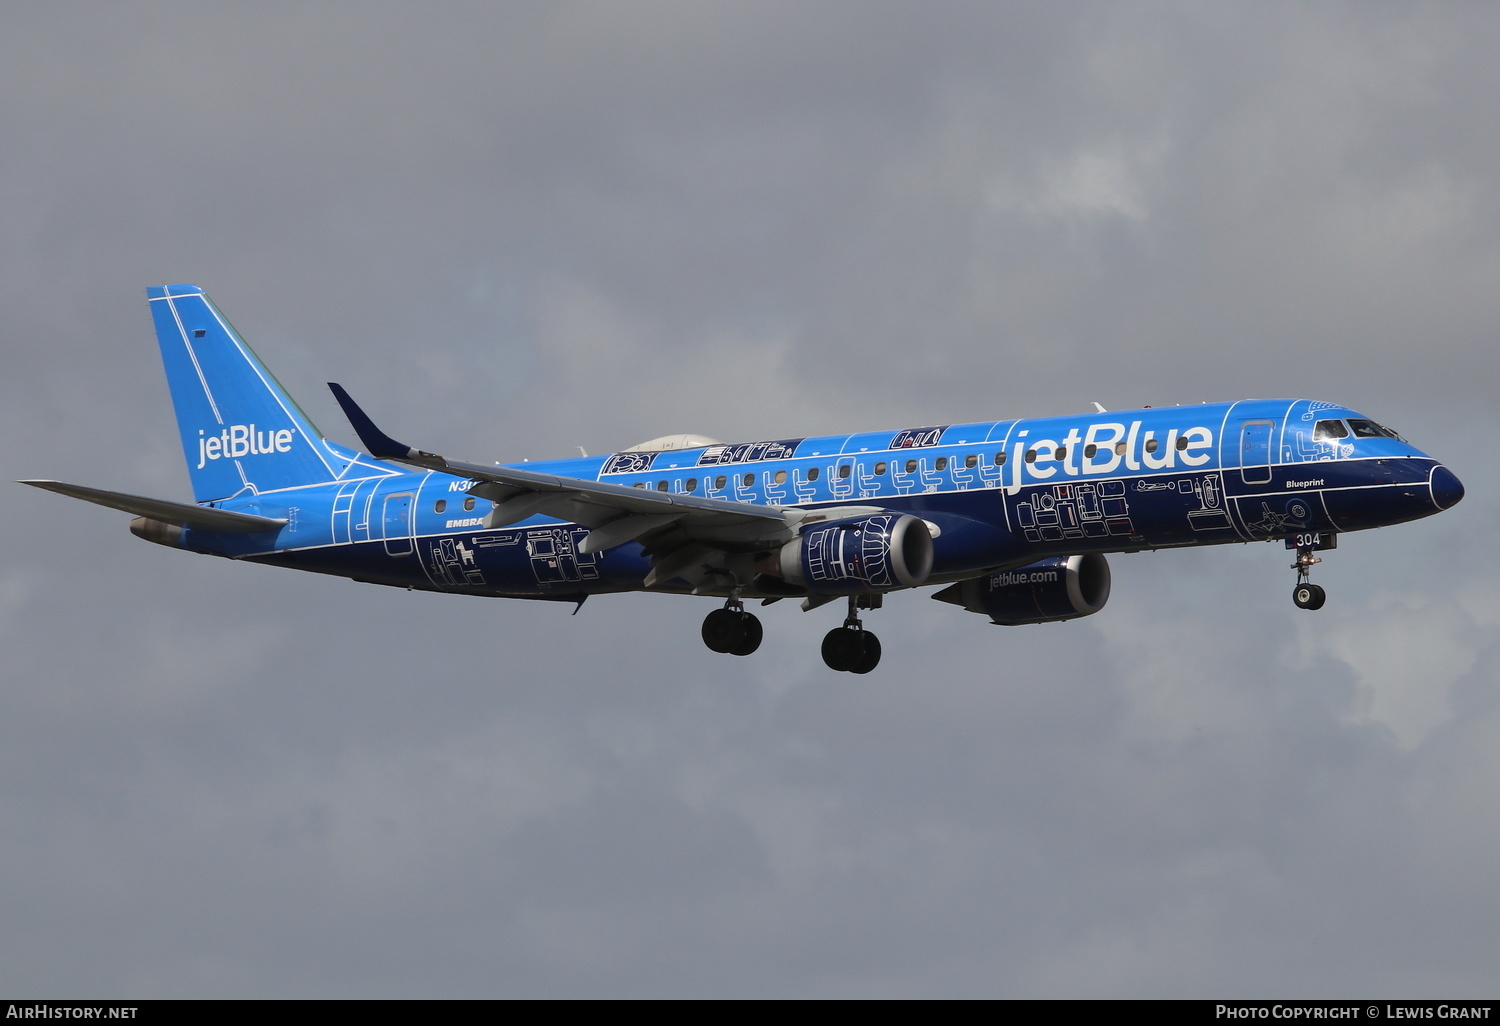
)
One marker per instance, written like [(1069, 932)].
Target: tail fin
[(240, 429)]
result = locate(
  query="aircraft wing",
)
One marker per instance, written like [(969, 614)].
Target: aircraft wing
[(678, 532), (181, 513)]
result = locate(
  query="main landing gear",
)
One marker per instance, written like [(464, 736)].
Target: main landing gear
[(1306, 594), (732, 630), (851, 648)]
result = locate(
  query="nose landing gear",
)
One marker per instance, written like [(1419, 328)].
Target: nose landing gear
[(1306, 594), (732, 630), (851, 648)]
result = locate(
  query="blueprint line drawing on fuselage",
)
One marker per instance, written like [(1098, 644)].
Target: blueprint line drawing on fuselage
[(1011, 519)]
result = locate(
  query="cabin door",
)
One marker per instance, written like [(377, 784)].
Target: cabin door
[(1255, 452), (396, 519)]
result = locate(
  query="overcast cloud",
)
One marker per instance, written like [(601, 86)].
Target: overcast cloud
[(516, 229)]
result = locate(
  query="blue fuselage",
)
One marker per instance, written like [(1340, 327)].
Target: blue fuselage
[(999, 494)]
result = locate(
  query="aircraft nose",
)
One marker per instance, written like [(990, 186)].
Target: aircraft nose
[(1447, 489)]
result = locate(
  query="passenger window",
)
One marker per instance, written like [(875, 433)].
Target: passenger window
[(1060, 453), (1119, 448), (661, 486), (440, 505), (1182, 443), (1030, 455), (469, 502), (911, 466), (781, 477), (942, 463), (971, 461), (1089, 451), (749, 480), (719, 482), (1000, 458), (812, 473), (845, 470), (1151, 445), (692, 484), (639, 484), (880, 470)]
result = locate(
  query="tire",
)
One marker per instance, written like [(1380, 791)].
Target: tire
[(721, 630), (869, 653), (1309, 596), (841, 648), (750, 632)]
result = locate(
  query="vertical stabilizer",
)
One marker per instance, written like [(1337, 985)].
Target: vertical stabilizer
[(240, 429)]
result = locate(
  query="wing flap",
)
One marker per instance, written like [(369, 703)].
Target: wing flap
[(625, 529)]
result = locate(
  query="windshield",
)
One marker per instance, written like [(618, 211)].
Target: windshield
[(1370, 429)]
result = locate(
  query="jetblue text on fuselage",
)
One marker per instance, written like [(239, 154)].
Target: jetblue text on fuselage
[(1102, 448)]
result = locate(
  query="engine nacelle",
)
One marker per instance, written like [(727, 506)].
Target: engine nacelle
[(157, 531), (873, 553), (1059, 588)]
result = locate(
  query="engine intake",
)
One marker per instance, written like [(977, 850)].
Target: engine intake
[(1059, 588), (873, 553)]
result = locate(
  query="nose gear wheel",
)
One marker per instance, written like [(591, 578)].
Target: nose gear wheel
[(1307, 595)]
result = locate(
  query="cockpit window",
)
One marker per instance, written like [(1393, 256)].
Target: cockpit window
[(1328, 430), (1370, 429)]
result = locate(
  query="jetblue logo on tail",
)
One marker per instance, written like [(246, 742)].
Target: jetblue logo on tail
[(241, 440)]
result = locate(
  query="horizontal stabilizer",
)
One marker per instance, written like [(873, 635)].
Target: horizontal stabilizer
[(185, 514)]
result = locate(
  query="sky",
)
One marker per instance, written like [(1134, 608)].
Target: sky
[(516, 229)]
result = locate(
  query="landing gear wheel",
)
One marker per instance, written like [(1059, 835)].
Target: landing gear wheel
[(1309, 596), (851, 650), (842, 648), (750, 634), (721, 630), (733, 631)]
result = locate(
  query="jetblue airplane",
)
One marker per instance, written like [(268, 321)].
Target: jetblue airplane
[(1013, 516)]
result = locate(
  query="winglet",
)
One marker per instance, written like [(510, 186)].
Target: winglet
[(381, 445)]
